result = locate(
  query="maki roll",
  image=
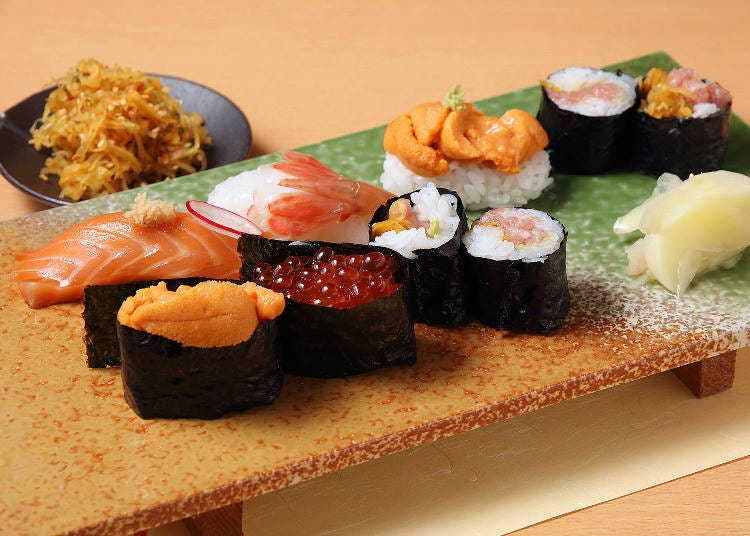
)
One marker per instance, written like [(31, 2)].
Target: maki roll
[(588, 116), (425, 227), (489, 161), (346, 307), (516, 270), (682, 125), (199, 352)]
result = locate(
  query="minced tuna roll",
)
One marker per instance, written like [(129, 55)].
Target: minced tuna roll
[(588, 116), (488, 161), (515, 270)]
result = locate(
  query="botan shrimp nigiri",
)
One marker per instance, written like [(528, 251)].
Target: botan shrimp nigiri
[(299, 198)]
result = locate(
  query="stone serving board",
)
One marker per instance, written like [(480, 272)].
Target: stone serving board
[(76, 459)]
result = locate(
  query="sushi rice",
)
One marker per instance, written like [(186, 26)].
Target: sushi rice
[(430, 207), (478, 185)]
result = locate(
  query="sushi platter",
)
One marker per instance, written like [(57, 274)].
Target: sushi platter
[(95, 466)]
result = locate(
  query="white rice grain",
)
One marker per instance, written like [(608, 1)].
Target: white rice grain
[(478, 185)]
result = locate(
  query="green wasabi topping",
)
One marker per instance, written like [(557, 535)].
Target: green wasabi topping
[(454, 99)]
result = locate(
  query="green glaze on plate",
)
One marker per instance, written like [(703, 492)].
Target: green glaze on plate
[(587, 205)]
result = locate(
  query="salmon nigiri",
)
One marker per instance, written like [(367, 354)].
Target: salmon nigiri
[(151, 242)]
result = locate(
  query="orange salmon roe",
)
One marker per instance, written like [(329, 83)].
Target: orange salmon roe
[(331, 280)]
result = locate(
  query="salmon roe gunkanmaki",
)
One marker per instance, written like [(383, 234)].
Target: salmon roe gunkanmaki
[(330, 279)]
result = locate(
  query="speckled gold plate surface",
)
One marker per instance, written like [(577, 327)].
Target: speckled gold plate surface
[(75, 458)]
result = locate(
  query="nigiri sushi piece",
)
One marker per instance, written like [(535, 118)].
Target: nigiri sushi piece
[(301, 199), (488, 161), (690, 227), (153, 241)]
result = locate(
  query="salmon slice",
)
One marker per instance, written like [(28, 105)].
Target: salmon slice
[(109, 249)]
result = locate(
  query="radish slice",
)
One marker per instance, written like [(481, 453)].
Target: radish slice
[(221, 220)]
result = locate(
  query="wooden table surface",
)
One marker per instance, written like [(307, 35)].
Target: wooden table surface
[(306, 71)]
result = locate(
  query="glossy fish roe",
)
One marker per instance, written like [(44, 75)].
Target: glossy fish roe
[(331, 280)]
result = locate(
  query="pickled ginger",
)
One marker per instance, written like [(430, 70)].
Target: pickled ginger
[(690, 227)]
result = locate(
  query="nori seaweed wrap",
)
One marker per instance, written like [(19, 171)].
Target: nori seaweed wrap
[(589, 142), (100, 306), (163, 378), (527, 294), (682, 125), (436, 290), (681, 145), (325, 342)]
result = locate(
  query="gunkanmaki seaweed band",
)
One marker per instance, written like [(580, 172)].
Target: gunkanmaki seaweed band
[(425, 226), (100, 306), (515, 269), (588, 115), (346, 309), (199, 352), (682, 125)]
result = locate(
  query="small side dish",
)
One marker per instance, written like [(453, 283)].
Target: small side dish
[(111, 128)]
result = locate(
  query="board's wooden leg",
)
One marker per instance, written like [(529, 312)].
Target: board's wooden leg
[(225, 521), (709, 376)]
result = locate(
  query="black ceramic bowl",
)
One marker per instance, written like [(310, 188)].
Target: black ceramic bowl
[(20, 163)]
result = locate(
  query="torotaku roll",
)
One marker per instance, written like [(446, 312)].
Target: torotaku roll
[(425, 226), (346, 308), (682, 125), (516, 270), (199, 352), (588, 116), (489, 161)]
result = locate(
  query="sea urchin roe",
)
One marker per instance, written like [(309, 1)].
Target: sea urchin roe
[(208, 315), (431, 135), (681, 93), (331, 280)]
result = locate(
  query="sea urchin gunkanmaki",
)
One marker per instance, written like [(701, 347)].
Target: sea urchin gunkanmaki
[(199, 352)]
